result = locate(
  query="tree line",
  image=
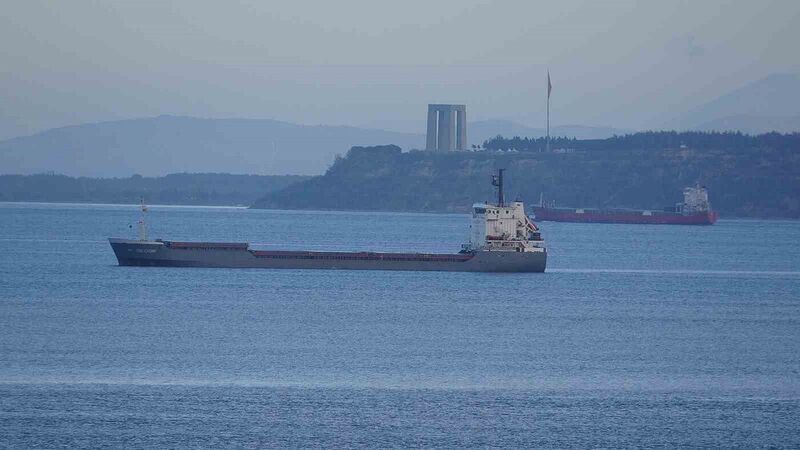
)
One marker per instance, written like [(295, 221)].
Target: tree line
[(651, 140), (179, 188)]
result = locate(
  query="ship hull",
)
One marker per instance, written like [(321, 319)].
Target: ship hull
[(238, 255), (636, 217)]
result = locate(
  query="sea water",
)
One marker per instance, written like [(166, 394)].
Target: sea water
[(637, 335)]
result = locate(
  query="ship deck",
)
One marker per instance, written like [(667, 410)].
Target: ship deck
[(361, 256), (319, 255)]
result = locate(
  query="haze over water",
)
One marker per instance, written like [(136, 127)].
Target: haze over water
[(634, 333)]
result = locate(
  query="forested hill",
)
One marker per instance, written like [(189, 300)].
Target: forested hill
[(652, 140), (761, 179), (179, 188)]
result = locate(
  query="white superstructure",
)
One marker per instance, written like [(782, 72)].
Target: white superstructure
[(503, 227), (695, 199)]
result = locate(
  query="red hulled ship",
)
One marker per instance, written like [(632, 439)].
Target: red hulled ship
[(695, 210)]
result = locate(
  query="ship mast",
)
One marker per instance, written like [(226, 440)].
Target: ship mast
[(497, 180), (142, 227)]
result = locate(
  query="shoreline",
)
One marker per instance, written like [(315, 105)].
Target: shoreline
[(310, 210), (160, 205)]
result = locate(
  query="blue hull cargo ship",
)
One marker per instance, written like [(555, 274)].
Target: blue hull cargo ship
[(502, 239)]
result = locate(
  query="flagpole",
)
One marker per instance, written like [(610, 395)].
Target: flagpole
[(548, 111), (548, 122)]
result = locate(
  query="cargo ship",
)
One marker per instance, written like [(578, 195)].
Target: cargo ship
[(502, 239), (694, 210)]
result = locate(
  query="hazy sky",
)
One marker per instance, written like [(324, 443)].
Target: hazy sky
[(628, 64)]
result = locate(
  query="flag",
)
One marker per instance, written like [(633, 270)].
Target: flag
[(549, 86)]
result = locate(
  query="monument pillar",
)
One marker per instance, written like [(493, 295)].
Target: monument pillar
[(447, 128), (461, 142), (430, 143)]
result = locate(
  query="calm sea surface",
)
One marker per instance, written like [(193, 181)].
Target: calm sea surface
[(636, 336)]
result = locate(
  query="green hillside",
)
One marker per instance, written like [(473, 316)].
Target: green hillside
[(746, 176)]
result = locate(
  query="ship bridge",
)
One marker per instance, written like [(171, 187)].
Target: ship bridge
[(503, 226)]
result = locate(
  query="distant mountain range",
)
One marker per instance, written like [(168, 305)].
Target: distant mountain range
[(769, 104), (167, 144)]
